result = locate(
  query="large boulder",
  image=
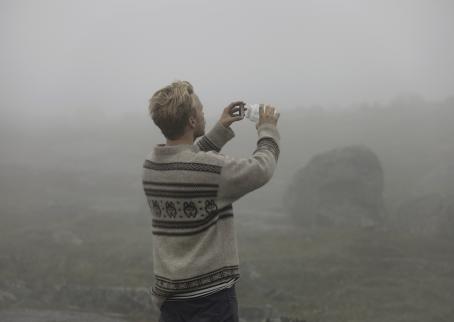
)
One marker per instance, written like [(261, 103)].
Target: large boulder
[(342, 187)]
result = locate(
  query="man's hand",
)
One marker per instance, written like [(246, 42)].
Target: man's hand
[(227, 117), (267, 114)]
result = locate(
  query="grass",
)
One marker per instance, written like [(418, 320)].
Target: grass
[(332, 275), (356, 276)]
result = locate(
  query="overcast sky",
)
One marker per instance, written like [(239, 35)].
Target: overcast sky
[(111, 55)]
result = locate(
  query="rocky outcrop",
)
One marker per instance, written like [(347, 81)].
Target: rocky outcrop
[(340, 187)]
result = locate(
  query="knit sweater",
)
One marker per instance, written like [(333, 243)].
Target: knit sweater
[(190, 189)]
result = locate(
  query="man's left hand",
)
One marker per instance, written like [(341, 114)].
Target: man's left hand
[(227, 117)]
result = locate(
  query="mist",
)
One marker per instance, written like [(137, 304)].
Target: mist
[(366, 96)]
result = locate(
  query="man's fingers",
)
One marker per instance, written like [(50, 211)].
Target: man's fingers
[(269, 110), (235, 108), (233, 104), (268, 114)]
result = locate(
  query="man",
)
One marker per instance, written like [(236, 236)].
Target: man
[(190, 189)]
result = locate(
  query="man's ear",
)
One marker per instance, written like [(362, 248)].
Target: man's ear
[(192, 122)]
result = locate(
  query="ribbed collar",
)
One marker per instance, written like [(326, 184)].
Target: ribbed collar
[(172, 149)]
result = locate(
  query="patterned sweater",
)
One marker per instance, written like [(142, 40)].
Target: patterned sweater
[(190, 189)]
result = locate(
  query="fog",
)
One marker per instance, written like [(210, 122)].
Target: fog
[(366, 96), (65, 56)]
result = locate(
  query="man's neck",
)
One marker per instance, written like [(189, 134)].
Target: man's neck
[(186, 140)]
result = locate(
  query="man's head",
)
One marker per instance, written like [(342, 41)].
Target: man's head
[(176, 110)]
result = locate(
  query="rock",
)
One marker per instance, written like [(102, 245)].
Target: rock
[(340, 187), (19, 289), (6, 297)]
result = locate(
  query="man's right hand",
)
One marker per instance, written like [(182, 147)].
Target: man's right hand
[(267, 115)]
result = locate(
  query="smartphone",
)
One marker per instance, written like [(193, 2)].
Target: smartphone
[(240, 112)]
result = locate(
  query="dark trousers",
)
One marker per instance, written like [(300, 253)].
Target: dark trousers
[(221, 306)]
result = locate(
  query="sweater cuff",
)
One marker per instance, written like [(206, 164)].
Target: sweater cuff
[(220, 134), (268, 130)]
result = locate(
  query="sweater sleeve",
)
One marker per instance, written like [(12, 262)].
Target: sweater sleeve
[(240, 176), (215, 139)]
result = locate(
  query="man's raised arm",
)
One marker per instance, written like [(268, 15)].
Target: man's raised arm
[(215, 139), (221, 133), (239, 176)]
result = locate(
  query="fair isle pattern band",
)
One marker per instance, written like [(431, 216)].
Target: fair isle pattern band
[(204, 292), (188, 166), (184, 208), (178, 224), (192, 232), (165, 286), (205, 144), (268, 143)]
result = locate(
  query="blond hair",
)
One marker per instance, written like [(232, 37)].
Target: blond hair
[(171, 106)]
